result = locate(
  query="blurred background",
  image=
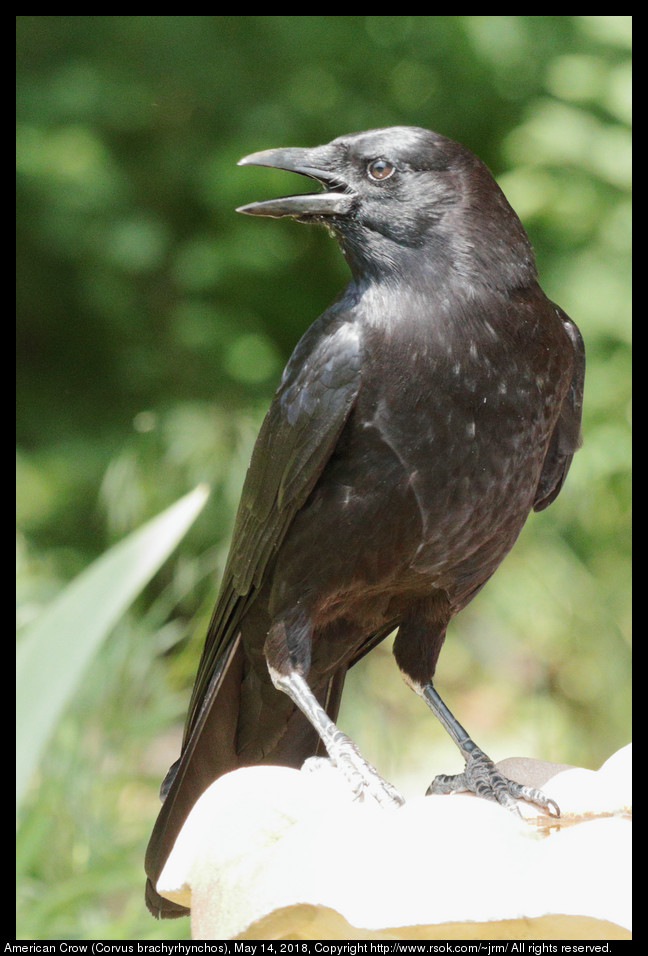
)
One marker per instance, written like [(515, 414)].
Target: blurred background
[(153, 325)]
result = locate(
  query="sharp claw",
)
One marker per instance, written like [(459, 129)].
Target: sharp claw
[(553, 808), (364, 779), (365, 782), (482, 778)]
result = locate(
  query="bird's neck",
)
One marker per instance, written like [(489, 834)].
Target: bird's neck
[(445, 257)]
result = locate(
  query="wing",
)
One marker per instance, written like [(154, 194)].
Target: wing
[(300, 431), (566, 436)]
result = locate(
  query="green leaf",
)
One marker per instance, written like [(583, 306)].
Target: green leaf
[(55, 650)]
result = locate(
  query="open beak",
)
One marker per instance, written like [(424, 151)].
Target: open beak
[(336, 200)]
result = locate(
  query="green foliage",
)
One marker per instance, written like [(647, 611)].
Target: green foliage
[(54, 652), (153, 324)]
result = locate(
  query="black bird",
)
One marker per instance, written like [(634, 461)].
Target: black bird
[(418, 422)]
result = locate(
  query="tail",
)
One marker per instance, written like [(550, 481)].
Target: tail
[(213, 749), (214, 737)]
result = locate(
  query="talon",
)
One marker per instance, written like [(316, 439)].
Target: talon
[(482, 778), (553, 808), (364, 779)]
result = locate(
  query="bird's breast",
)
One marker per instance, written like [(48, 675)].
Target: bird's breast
[(463, 421)]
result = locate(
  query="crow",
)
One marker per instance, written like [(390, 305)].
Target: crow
[(418, 422)]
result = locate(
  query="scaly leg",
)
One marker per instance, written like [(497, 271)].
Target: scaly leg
[(480, 775), (364, 779)]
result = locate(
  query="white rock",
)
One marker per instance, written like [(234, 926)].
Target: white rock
[(272, 853)]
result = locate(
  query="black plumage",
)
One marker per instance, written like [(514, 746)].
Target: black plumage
[(419, 420)]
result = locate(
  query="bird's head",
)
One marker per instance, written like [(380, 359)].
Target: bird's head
[(390, 193)]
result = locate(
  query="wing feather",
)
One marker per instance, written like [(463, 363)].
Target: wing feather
[(299, 433), (566, 437)]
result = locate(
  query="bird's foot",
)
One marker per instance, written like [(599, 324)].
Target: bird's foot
[(482, 778), (365, 781), (363, 778)]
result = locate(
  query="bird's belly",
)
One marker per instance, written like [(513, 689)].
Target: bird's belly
[(421, 492), (442, 496)]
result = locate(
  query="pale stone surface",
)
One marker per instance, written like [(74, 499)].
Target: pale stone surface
[(273, 853)]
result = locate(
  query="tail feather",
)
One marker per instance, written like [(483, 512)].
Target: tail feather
[(214, 734), (211, 750)]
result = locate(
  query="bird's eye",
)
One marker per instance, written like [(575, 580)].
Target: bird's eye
[(380, 169)]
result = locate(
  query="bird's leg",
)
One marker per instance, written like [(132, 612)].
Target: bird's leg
[(480, 775), (363, 778)]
